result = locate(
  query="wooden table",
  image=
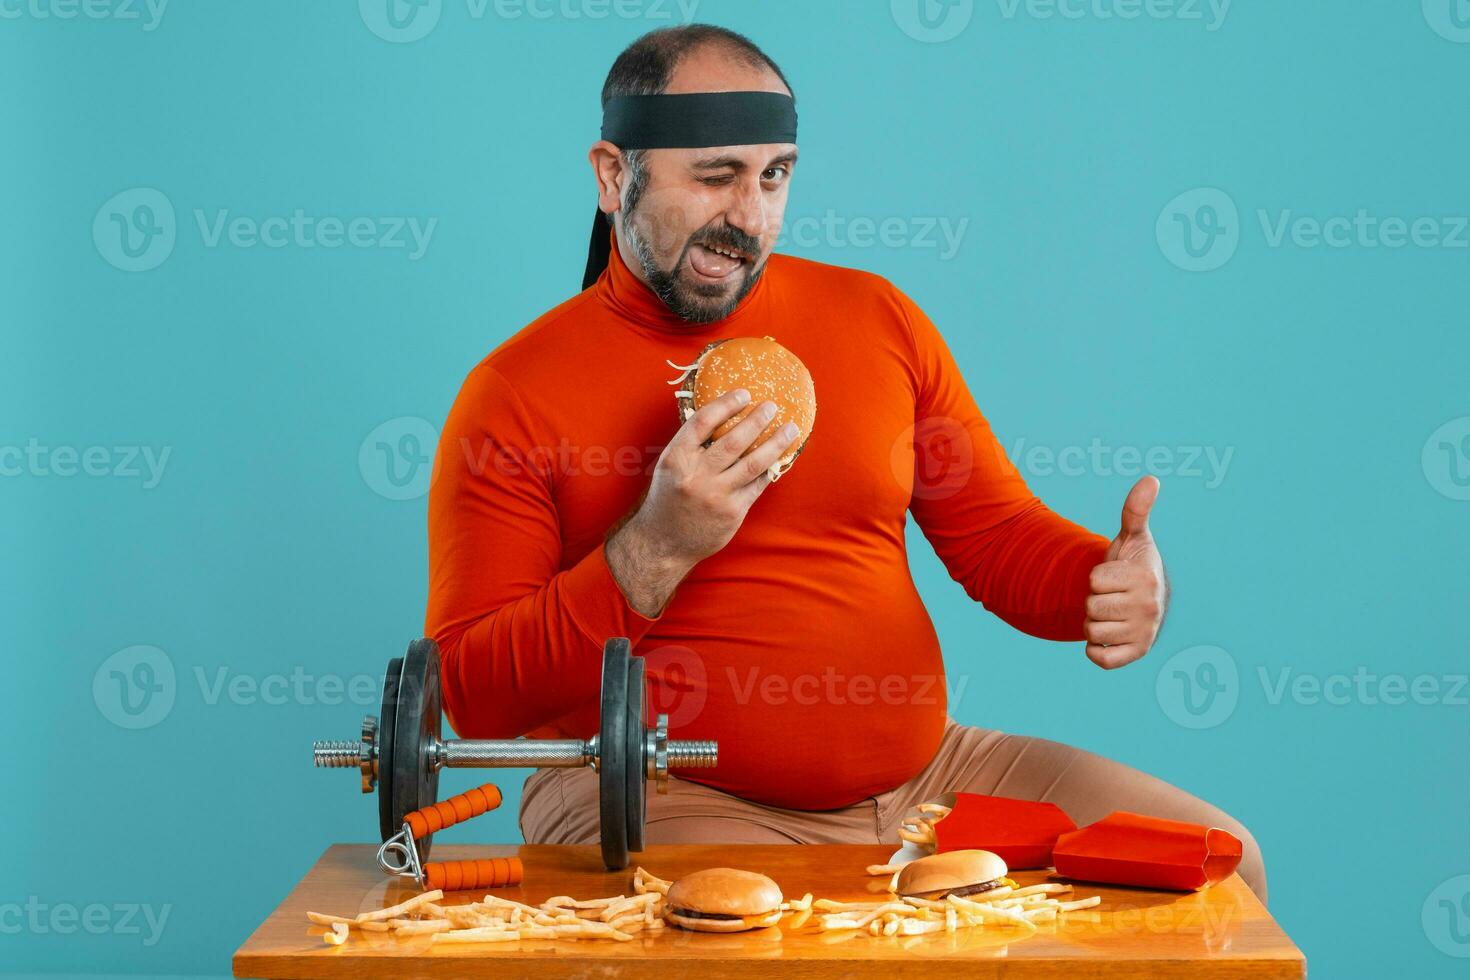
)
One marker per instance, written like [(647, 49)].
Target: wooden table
[(1221, 932)]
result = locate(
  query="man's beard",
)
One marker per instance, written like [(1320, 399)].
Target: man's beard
[(696, 303)]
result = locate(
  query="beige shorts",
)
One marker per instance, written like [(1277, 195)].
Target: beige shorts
[(559, 806)]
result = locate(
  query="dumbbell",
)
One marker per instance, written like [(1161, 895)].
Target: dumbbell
[(400, 751)]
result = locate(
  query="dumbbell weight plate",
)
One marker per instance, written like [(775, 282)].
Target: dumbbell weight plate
[(386, 718), (636, 762), (612, 766), (416, 729)]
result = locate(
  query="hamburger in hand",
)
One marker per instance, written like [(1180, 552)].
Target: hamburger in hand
[(762, 367), (723, 900), (959, 873)]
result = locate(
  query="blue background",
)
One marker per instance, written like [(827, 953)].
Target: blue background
[(1328, 546)]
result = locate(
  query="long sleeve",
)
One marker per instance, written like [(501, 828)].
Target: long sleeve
[(519, 637), (1011, 553)]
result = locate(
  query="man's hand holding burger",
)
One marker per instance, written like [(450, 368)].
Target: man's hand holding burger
[(1129, 590), (697, 499)]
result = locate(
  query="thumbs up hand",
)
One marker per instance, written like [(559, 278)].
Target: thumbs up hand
[(1129, 590)]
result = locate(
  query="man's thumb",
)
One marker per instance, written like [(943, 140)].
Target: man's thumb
[(1136, 508)]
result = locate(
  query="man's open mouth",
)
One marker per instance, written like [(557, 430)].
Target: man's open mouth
[(712, 263)]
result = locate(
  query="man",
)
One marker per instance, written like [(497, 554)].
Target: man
[(570, 506)]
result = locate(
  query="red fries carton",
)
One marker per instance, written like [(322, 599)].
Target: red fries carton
[(1020, 831), (1131, 849)]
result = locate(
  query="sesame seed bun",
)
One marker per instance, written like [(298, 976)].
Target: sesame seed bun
[(769, 372), (723, 900)]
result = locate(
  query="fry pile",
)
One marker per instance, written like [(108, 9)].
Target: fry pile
[(1008, 906), (621, 917), (496, 920)]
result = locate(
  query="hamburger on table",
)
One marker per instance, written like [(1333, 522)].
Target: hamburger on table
[(723, 900)]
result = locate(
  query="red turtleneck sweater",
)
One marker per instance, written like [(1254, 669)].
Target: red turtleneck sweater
[(802, 646)]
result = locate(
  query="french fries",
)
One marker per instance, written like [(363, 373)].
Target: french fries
[(917, 827), (621, 918), (643, 881), (908, 916), (396, 911), (498, 920)]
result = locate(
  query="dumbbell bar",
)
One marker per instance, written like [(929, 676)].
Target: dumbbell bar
[(400, 751)]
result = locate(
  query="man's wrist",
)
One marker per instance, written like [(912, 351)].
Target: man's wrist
[(643, 567)]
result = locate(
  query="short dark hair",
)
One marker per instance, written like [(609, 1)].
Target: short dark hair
[(646, 65)]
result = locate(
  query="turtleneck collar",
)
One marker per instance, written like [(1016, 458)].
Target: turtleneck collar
[(630, 297)]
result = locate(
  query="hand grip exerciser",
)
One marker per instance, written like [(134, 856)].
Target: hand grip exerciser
[(399, 854)]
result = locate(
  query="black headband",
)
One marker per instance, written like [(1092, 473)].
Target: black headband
[(653, 122)]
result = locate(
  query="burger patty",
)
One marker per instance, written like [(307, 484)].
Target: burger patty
[(984, 886), (692, 914)]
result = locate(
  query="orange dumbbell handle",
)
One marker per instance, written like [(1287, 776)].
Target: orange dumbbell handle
[(466, 875), (447, 813)]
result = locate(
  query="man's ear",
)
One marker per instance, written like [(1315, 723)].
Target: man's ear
[(607, 168)]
